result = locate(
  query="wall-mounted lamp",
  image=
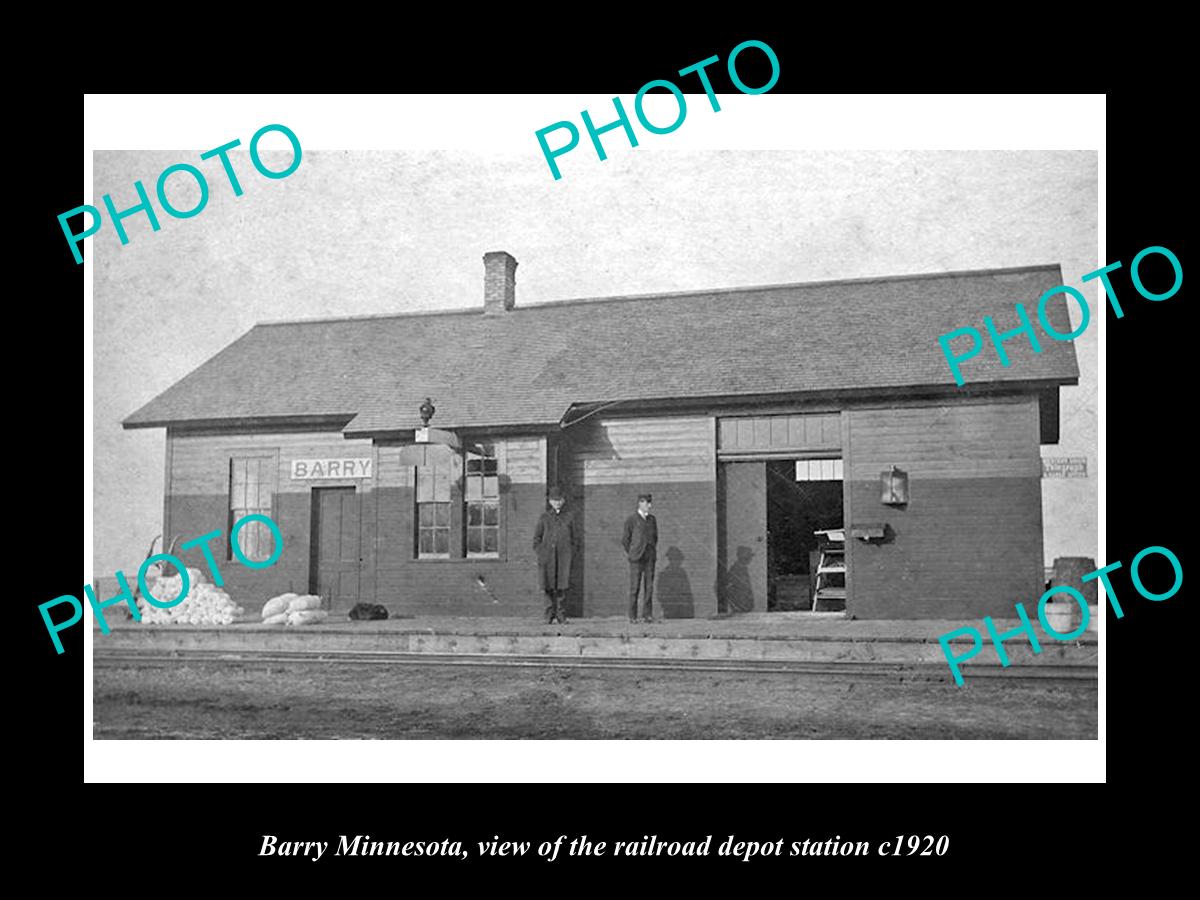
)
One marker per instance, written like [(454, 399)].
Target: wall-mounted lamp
[(894, 483), (427, 410)]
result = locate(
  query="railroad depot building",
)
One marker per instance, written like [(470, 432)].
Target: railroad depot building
[(767, 422)]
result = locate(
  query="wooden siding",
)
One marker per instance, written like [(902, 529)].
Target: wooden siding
[(526, 460), (521, 461), (605, 463), (643, 450), (981, 440), (198, 500), (818, 431), (412, 586), (969, 542), (686, 575), (167, 468), (200, 463)]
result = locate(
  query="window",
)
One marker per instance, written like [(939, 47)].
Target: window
[(483, 502), (457, 494), (819, 470), (433, 508), (251, 484)]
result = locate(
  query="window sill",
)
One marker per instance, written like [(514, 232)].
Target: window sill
[(457, 559)]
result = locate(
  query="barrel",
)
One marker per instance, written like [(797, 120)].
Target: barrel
[(1069, 570)]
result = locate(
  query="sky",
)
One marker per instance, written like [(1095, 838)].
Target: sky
[(364, 232)]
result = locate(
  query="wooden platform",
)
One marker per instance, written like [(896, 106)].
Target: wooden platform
[(801, 637)]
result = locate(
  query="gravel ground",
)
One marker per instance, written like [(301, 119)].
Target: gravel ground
[(254, 701)]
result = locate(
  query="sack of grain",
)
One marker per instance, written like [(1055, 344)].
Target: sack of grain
[(277, 619), (276, 605), (308, 601), (306, 616), (205, 604)]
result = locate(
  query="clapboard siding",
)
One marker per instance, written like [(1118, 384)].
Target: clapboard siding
[(686, 575), (993, 440), (200, 463), (969, 542), (629, 451), (390, 472), (521, 461), (526, 460), (409, 586), (963, 548)]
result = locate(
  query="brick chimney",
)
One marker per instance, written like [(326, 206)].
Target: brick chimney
[(499, 282)]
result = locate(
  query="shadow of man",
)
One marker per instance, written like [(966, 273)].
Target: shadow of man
[(739, 591), (674, 589)]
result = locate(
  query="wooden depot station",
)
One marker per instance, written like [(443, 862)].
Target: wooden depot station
[(803, 442)]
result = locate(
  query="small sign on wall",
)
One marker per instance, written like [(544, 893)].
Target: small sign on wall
[(1064, 467), (309, 469)]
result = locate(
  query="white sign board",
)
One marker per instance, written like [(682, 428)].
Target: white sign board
[(1064, 467), (310, 469)]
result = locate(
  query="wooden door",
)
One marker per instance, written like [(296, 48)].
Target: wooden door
[(337, 546), (742, 544)]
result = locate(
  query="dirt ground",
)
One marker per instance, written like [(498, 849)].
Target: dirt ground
[(230, 700)]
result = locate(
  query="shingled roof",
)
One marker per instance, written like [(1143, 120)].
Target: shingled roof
[(529, 365)]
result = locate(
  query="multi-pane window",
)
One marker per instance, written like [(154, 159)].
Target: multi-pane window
[(819, 470), (482, 490), (433, 507), (251, 484)]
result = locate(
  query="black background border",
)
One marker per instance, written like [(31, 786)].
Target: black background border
[(995, 826)]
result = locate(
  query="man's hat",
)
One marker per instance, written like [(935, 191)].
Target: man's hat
[(645, 497), (556, 493)]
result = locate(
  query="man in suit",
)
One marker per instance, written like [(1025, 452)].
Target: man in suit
[(640, 540), (555, 539)]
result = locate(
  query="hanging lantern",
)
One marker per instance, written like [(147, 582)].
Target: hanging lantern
[(427, 409), (895, 487)]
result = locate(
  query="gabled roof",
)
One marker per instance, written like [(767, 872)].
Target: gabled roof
[(527, 366)]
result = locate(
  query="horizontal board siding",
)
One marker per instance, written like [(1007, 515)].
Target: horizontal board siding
[(994, 440), (408, 586), (292, 512), (390, 472), (200, 463), (632, 452), (526, 460), (686, 572), (962, 549), (969, 542), (251, 588), (521, 461)]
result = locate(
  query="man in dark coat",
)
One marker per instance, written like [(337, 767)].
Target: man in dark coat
[(640, 540), (555, 539)]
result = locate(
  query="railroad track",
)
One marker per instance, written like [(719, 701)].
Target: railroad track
[(849, 670)]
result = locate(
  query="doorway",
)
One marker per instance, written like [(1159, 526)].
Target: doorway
[(742, 537), (804, 499), (335, 557)]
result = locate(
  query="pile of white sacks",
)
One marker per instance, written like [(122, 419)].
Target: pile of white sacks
[(205, 604), (293, 609)]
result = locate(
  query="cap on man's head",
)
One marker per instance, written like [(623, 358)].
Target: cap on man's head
[(645, 497), (556, 493)]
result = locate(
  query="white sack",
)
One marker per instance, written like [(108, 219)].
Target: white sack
[(308, 601), (277, 605), (306, 616)]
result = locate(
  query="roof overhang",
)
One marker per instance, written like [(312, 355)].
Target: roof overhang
[(247, 423)]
